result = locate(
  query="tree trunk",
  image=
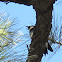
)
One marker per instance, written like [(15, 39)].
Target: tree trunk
[(43, 10)]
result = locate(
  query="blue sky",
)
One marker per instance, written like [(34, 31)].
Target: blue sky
[(26, 15)]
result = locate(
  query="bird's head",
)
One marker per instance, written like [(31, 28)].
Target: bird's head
[(30, 27)]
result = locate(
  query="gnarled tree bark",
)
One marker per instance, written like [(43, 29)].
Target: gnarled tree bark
[(42, 28), (43, 10)]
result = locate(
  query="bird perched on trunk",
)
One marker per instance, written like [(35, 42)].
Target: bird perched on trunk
[(31, 30), (47, 45)]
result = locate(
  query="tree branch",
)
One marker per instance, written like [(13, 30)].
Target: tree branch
[(53, 41), (43, 10), (25, 2)]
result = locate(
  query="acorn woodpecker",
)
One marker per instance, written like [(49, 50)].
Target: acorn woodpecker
[(31, 30), (47, 45)]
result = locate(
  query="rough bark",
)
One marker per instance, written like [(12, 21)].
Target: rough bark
[(42, 28), (43, 10)]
